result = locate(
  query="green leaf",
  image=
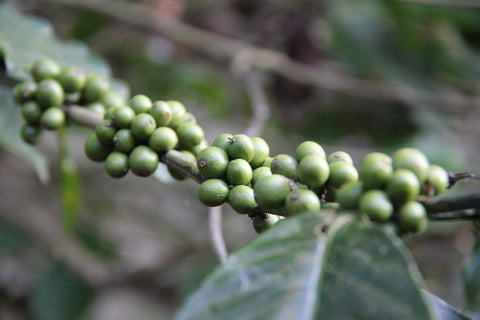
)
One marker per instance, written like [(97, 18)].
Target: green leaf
[(24, 39), (471, 279), (58, 295), (296, 271), (446, 311), (10, 135), (12, 239)]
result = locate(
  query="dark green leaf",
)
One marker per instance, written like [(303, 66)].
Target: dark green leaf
[(446, 311), (58, 295), (10, 123), (471, 279), (295, 271), (12, 239)]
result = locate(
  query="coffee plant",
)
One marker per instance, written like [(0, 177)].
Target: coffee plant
[(330, 233)]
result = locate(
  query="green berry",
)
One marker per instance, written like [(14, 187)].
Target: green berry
[(413, 160), (341, 172), (285, 165), (30, 134), (50, 93), (95, 88), (348, 195), (72, 79), (94, 150), (412, 217), (163, 139), (241, 198), (31, 112), (52, 119), (270, 192), (268, 162), (239, 172), (212, 162), (309, 147), (301, 201), (178, 111), (109, 112), (262, 151), (260, 173), (44, 69), (143, 161), (339, 156), (222, 141), (199, 147), (124, 141), (213, 192), (97, 107), (112, 99), (313, 171), (105, 132), (375, 170), (143, 126), (24, 91), (190, 134), (122, 117), (161, 112), (264, 221), (403, 186), (437, 179), (116, 164), (140, 103), (376, 205), (240, 146)]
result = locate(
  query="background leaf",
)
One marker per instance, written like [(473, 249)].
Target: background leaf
[(446, 311), (471, 279), (294, 272)]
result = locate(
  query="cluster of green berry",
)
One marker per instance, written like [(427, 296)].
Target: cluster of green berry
[(41, 99)]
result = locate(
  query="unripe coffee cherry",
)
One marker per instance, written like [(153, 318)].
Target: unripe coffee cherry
[(143, 161), (301, 201), (239, 172), (309, 147), (403, 186), (95, 88), (97, 107), (412, 217), (163, 139), (270, 192), (94, 150), (105, 132), (212, 162), (124, 141), (262, 151), (268, 162), (190, 134), (222, 141), (413, 160), (44, 69), (178, 111), (49, 93), (72, 79), (52, 119), (240, 146), (375, 170), (285, 165), (142, 126), (161, 112), (199, 147), (111, 99), (437, 178), (140, 104), (260, 173), (349, 194), (376, 205), (241, 198), (213, 192), (122, 117), (30, 134), (339, 156), (24, 91), (264, 221), (341, 172), (116, 164), (31, 112), (313, 170)]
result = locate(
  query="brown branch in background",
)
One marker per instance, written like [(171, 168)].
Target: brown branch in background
[(260, 108), (220, 47), (216, 234)]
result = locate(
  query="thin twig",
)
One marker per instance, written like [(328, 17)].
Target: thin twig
[(461, 202), (260, 108), (225, 48), (216, 235)]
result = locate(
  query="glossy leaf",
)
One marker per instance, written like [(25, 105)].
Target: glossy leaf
[(10, 124), (296, 271)]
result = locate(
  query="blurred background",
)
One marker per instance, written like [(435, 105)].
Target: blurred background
[(357, 76)]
